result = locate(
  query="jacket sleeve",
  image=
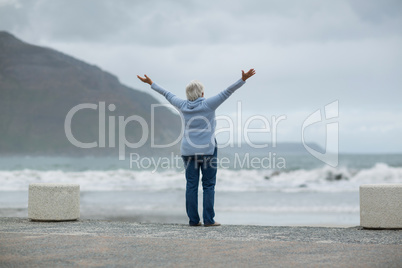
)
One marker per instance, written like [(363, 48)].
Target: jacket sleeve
[(175, 101), (215, 101)]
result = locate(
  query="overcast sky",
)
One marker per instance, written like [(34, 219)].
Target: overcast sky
[(307, 54)]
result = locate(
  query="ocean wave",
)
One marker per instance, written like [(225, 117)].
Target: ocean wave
[(325, 179)]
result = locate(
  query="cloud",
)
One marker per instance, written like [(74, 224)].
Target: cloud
[(167, 23), (376, 12), (306, 53), (13, 3)]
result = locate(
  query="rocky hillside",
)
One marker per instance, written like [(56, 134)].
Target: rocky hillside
[(39, 86)]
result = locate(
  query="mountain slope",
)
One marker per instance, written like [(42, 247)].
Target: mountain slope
[(39, 86)]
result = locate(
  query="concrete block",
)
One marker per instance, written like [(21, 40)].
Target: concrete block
[(381, 206), (53, 201)]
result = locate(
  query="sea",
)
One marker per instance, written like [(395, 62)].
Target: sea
[(286, 190)]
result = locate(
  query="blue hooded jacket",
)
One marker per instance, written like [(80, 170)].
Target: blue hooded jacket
[(199, 119)]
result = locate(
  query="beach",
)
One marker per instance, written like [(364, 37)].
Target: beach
[(280, 121), (304, 194), (238, 208), (302, 216), (100, 243)]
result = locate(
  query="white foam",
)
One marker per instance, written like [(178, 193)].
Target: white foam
[(325, 179)]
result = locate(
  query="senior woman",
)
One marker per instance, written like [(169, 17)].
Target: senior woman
[(198, 146)]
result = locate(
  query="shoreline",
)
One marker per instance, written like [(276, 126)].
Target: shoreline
[(246, 208), (27, 243), (153, 218)]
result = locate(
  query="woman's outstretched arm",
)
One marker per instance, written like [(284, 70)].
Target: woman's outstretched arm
[(217, 100), (175, 101)]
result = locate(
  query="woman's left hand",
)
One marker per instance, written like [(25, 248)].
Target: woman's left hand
[(247, 75)]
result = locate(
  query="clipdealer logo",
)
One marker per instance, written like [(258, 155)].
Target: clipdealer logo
[(236, 130)]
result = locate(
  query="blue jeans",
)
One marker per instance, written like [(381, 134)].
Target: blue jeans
[(208, 166)]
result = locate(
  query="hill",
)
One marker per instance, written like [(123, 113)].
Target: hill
[(39, 86)]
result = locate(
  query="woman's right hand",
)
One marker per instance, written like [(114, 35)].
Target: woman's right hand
[(146, 79), (247, 75)]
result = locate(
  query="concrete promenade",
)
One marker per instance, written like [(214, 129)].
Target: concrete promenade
[(97, 243)]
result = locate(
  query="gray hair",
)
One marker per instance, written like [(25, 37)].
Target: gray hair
[(194, 90)]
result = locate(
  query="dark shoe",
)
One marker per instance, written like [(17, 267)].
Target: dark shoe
[(194, 225), (213, 224)]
